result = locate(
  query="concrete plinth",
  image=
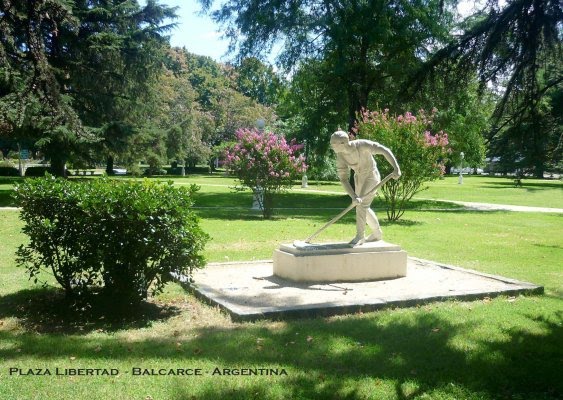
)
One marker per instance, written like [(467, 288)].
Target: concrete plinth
[(248, 291), (339, 262)]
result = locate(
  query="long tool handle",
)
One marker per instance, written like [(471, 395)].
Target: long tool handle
[(345, 211)]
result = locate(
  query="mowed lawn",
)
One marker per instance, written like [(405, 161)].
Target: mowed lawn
[(498, 190), (500, 348)]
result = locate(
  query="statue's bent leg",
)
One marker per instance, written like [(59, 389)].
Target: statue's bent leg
[(373, 223), (360, 225)]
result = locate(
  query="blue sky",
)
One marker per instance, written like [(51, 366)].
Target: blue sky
[(199, 34)]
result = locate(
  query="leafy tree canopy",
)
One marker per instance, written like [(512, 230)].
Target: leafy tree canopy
[(365, 43), (517, 49), (68, 66)]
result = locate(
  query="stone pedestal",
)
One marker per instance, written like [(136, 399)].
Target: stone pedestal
[(339, 262)]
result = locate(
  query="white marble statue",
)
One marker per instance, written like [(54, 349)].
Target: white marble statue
[(358, 156)]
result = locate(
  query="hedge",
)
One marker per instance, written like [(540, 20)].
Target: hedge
[(9, 171), (116, 238)]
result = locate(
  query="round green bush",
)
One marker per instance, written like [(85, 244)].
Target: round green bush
[(122, 239)]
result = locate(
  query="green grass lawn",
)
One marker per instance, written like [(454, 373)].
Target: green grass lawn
[(497, 190), (475, 188), (502, 348)]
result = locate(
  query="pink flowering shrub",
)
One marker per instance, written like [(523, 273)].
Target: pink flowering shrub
[(266, 161), (421, 153)]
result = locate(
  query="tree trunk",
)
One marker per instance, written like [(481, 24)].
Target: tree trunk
[(539, 135), (268, 205), (539, 169), (359, 87), (352, 108), (58, 165), (109, 165)]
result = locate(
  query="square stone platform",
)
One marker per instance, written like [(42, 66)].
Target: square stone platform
[(249, 291)]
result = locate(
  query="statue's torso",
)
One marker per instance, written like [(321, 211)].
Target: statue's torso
[(360, 158)]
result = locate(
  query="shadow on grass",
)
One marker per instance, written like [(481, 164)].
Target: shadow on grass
[(6, 199), (237, 206), (281, 200), (6, 190), (431, 205), (10, 180), (547, 246), (47, 310), (528, 185), (401, 222), (418, 354)]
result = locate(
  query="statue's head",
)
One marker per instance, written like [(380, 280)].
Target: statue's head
[(339, 141)]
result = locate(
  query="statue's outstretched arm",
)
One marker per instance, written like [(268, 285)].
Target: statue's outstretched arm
[(388, 154)]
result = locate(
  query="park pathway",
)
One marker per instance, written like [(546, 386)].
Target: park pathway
[(472, 205), (497, 207)]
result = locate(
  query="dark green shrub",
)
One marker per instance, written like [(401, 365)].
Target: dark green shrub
[(118, 238), (9, 171), (37, 171), (199, 169), (174, 170), (151, 171)]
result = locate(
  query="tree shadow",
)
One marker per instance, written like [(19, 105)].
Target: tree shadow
[(295, 200), (526, 185), (432, 205), (547, 184), (6, 199), (47, 310), (227, 199), (548, 246), (319, 207), (402, 222), (237, 206), (420, 353), (10, 180), (6, 190)]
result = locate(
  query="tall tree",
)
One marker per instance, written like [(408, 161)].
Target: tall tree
[(518, 47), (310, 108), (32, 98), (258, 81), (366, 42), (112, 62), (81, 64), (188, 127), (199, 106), (463, 112)]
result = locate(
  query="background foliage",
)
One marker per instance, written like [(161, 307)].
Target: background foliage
[(96, 83), (420, 152)]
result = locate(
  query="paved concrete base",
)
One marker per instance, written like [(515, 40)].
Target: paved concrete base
[(340, 262), (248, 290)]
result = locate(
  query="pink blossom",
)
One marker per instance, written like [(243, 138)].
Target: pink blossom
[(272, 157)]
